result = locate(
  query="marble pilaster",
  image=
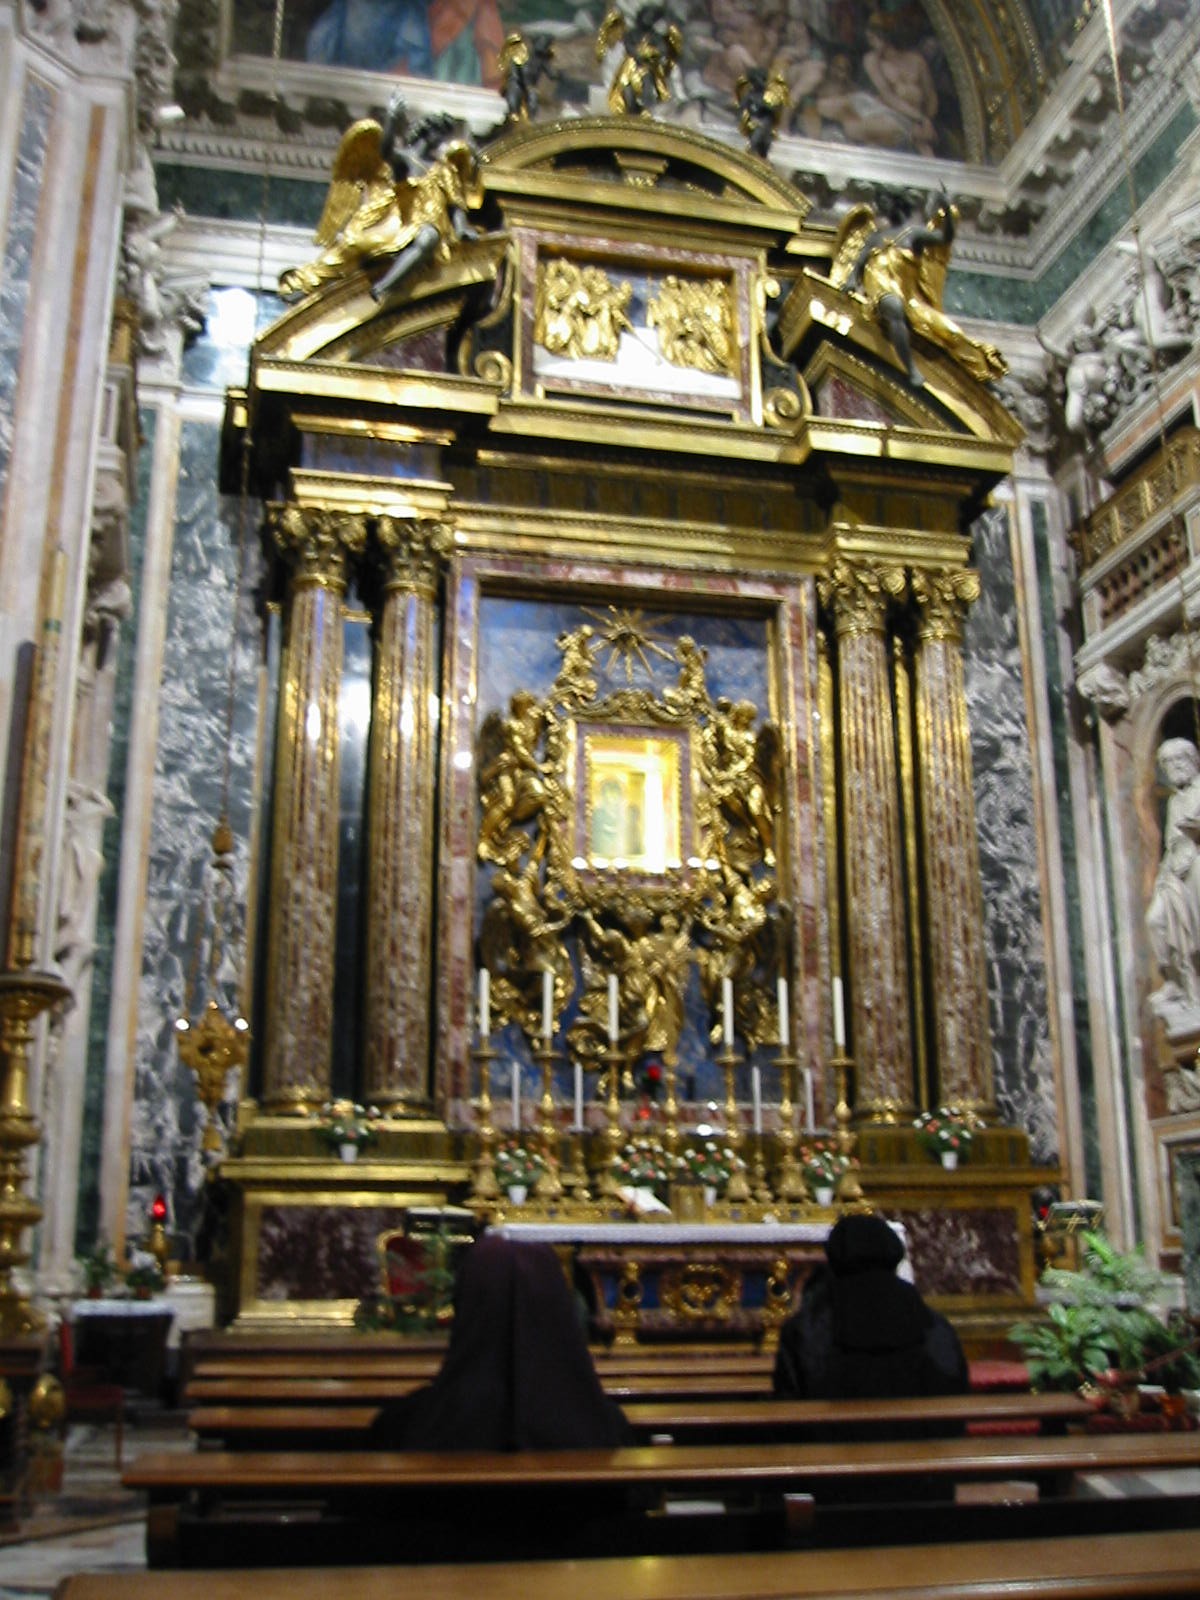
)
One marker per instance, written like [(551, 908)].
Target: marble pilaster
[(401, 822), (958, 980), (876, 936), (304, 857)]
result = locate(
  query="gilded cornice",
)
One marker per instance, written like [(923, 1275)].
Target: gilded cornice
[(859, 595), (942, 599), (412, 549), (316, 543)]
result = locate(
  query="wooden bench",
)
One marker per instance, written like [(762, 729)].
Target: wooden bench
[(697, 1421), (373, 1390), (400, 1363), (1127, 1566), (388, 1506)]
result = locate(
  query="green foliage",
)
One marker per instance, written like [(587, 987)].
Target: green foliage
[(98, 1267), (427, 1307), (1100, 1321)]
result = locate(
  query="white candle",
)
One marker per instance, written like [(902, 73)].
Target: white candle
[(516, 1096), (485, 1003), (547, 1003), (756, 1097), (578, 1095), (727, 1012), (785, 1026), (613, 1017), (839, 1016), (810, 1117)]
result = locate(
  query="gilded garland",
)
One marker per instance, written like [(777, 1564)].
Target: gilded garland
[(630, 831)]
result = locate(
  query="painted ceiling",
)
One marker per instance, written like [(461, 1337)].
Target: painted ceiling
[(951, 78)]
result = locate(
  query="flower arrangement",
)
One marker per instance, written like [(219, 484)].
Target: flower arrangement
[(822, 1163), (944, 1131), (345, 1122), (708, 1162), (517, 1166), (642, 1163)]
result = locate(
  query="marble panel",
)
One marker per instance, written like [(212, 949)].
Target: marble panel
[(321, 1252), (973, 1251), (238, 196), (1004, 804), (17, 261), (1187, 1176), (88, 1215), (217, 357), (196, 735)]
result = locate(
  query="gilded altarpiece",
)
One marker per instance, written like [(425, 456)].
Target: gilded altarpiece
[(688, 520)]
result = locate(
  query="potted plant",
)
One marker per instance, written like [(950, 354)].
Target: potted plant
[(347, 1126), (144, 1278), (517, 1169), (946, 1133), (823, 1165), (99, 1269), (709, 1164), (644, 1164), (1101, 1334)]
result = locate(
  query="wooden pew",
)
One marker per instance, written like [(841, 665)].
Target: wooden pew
[(378, 1363), (1126, 1566), (372, 1390), (693, 1421), (390, 1506)]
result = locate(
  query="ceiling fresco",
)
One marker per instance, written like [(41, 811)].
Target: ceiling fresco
[(950, 78)]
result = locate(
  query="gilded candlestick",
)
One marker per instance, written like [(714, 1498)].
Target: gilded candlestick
[(613, 1137), (549, 1184), (737, 1189), (849, 1190), (483, 1178), (789, 1181)]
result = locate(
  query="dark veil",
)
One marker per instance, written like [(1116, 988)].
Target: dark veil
[(518, 1374)]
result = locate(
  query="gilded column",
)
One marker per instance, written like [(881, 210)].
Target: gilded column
[(874, 912), (401, 814), (954, 889), (304, 851)]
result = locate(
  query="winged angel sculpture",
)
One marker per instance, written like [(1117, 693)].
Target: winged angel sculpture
[(409, 203), (653, 44), (901, 274)]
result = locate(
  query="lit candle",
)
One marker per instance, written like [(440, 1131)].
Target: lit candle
[(547, 1003), (578, 1095), (727, 1012), (785, 1026), (756, 1097), (485, 1003), (613, 1018), (839, 1016), (516, 1096)]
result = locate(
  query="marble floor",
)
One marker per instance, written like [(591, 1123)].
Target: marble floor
[(92, 1524)]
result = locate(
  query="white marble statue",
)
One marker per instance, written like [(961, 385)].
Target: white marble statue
[(1173, 916)]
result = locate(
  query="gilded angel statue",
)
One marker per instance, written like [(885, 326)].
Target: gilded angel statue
[(386, 200), (521, 63), (760, 99), (653, 45), (901, 274)]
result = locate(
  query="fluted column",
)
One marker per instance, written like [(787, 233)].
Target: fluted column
[(874, 917), (401, 814), (958, 978), (301, 938)]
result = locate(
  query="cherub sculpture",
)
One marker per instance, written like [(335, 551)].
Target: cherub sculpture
[(761, 98), (522, 63), (901, 274), (653, 45), (391, 199)]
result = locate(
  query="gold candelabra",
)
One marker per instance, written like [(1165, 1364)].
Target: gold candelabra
[(483, 1178), (549, 1184), (849, 1190), (789, 1180), (612, 1136), (737, 1189)]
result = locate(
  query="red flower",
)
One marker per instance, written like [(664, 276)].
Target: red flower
[(654, 1073)]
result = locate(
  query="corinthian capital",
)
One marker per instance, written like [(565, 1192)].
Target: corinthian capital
[(412, 549), (858, 595), (942, 599), (316, 543)]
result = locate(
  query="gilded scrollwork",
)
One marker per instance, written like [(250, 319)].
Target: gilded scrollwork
[(317, 542), (557, 906), (942, 599), (694, 318), (858, 594), (578, 311)]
